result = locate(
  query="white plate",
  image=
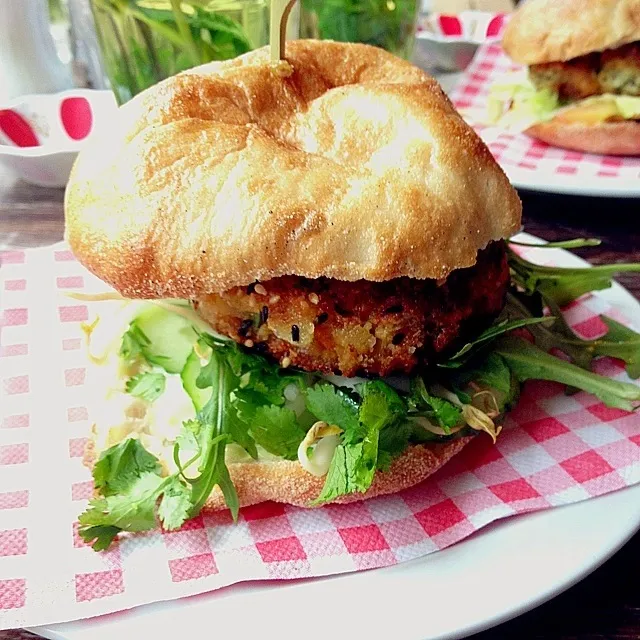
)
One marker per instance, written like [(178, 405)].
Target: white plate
[(497, 574)]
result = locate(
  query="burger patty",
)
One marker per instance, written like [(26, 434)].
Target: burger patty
[(611, 71), (362, 327)]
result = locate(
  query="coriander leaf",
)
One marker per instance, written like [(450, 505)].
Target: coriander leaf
[(256, 375), (563, 284), (334, 406), (132, 509), (121, 465), (99, 536), (342, 476), (175, 504), (356, 458), (133, 342), (148, 386), (276, 429), (445, 413), (394, 440), (381, 408), (528, 362)]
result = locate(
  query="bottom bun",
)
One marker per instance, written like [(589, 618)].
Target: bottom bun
[(608, 138), (288, 482)]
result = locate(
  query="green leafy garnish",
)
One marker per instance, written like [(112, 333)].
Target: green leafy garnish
[(487, 372), (488, 335), (128, 477), (563, 284), (446, 414), (528, 362), (148, 386), (334, 406), (619, 342), (133, 343), (277, 430), (355, 460), (212, 436), (577, 243), (118, 467), (136, 496), (241, 398)]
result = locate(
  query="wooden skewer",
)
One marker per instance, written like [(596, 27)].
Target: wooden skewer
[(280, 10)]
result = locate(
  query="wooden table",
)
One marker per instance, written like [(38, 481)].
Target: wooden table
[(604, 606)]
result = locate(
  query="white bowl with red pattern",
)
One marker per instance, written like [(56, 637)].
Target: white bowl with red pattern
[(447, 43), (41, 134)]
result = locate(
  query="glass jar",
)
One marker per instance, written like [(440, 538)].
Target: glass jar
[(389, 24), (145, 41)]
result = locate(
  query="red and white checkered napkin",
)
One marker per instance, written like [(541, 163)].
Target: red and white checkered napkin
[(529, 162), (555, 450)]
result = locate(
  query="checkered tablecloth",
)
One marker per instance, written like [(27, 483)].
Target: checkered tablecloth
[(555, 450), (531, 163)]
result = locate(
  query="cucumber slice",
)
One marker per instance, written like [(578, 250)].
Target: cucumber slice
[(189, 375), (171, 338)]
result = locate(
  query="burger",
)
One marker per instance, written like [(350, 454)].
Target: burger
[(583, 86), (307, 275)]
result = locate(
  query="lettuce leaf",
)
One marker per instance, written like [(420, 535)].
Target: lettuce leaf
[(514, 103)]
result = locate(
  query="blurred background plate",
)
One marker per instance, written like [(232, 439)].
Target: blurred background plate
[(529, 163)]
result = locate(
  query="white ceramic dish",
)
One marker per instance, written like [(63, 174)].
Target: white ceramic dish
[(504, 570), (41, 134), (447, 43)]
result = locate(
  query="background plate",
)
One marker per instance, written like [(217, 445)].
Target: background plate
[(531, 164)]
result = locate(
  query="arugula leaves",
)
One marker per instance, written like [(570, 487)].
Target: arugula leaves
[(500, 328), (563, 284), (528, 362)]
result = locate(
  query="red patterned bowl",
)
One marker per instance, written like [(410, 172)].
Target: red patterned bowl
[(40, 135)]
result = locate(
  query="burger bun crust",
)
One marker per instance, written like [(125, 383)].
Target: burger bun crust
[(344, 162), (287, 482)]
